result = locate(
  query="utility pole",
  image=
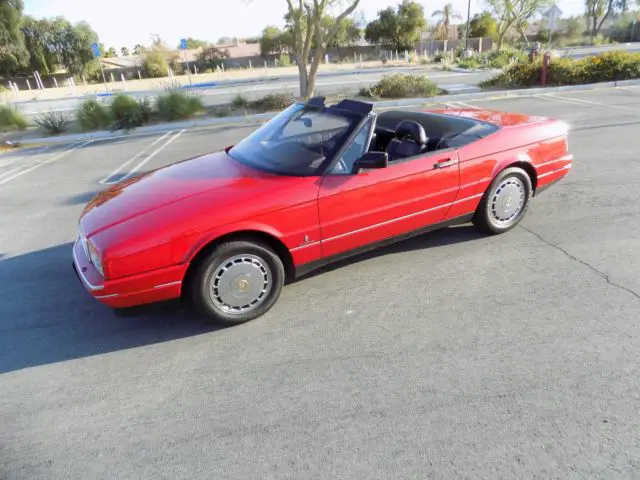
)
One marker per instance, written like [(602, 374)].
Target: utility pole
[(466, 33)]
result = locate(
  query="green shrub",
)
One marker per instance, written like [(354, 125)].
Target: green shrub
[(11, 119), (156, 65), (607, 67), (402, 86), (284, 60), (128, 113), (177, 105), (469, 63), (271, 102), (518, 75), (53, 122), (146, 109), (501, 58), (92, 115), (221, 112), (239, 102)]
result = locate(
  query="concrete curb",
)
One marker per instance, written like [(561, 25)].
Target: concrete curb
[(258, 118)]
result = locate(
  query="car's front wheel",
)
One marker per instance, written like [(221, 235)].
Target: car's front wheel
[(239, 281), (505, 202)]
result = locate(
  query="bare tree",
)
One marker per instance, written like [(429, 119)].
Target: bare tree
[(502, 9), (524, 11), (514, 14), (306, 21), (597, 11)]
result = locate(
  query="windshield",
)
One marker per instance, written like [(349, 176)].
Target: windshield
[(298, 141)]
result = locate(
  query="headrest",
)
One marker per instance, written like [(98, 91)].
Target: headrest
[(409, 128)]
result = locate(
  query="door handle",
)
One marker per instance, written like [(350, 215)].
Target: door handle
[(444, 163)]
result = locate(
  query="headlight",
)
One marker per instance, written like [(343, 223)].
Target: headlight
[(94, 256)]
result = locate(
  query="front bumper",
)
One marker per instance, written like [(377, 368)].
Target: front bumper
[(149, 287)]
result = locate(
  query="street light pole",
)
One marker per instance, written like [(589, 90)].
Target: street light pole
[(466, 33)]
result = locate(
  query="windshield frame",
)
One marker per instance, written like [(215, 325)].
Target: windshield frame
[(279, 121), (328, 171)]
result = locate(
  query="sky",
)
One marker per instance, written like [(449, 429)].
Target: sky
[(125, 23)]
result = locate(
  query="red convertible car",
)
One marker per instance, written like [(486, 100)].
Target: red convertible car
[(315, 184)]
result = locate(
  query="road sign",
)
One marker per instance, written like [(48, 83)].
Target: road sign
[(183, 43), (552, 16), (96, 49)]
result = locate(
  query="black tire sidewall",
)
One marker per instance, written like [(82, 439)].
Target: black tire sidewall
[(202, 280), (484, 219)]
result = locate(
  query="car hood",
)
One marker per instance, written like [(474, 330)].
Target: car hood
[(216, 172)]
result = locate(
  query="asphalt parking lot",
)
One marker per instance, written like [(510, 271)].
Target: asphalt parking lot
[(452, 355)]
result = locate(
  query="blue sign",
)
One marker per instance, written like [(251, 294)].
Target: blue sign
[(183, 43), (96, 49)]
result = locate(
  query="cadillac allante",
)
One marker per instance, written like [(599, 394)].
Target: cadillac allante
[(316, 183)]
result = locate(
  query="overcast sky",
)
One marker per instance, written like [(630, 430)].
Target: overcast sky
[(128, 22)]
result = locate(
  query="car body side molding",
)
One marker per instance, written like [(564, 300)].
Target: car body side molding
[(305, 269)]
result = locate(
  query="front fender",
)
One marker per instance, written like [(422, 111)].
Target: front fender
[(248, 226)]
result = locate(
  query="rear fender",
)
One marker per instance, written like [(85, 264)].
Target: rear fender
[(521, 160)]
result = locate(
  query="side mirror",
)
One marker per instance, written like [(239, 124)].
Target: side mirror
[(371, 160)]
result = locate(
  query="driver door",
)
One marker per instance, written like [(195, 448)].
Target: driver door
[(361, 209)]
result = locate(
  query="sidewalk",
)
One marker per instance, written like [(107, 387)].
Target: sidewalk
[(230, 77)]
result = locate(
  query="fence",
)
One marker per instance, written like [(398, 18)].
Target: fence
[(353, 54), (359, 53)]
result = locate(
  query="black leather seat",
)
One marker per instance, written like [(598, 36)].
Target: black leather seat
[(409, 139)]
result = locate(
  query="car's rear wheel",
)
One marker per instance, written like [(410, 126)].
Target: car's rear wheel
[(237, 282), (505, 202)]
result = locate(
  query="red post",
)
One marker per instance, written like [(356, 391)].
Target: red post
[(545, 68)]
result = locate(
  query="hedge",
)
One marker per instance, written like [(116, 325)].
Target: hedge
[(607, 67)]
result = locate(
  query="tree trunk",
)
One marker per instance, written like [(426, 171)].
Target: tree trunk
[(313, 72), (606, 14), (501, 40), (303, 77)]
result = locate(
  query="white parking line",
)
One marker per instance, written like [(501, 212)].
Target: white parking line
[(461, 104), (582, 101), (467, 105), (6, 174), (400, 107), (143, 162), (105, 180), (7, 177)]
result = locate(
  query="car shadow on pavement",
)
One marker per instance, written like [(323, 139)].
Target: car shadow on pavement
[(437, 238), (47, 315), (81, 198)]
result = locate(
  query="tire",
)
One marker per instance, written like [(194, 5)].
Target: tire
[(238, 282), (496, 215)]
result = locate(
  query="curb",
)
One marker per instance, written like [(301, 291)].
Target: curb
[(260, 117), (149, 129), (474, 70)]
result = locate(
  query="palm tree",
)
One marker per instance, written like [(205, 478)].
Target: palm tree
[(139, 50), (443, 27)]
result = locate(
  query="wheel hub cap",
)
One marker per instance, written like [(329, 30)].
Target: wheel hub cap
[(241, 284), (508, 200)]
